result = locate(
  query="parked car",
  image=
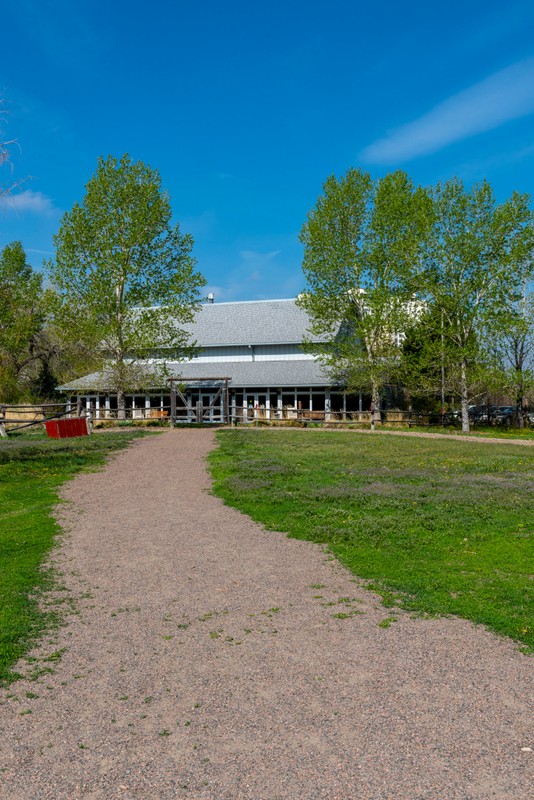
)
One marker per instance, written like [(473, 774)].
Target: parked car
[(475, 412), (482, 414), (504, 415)]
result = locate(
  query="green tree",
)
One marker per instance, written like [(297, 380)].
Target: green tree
[(22, 314), (472, 275), (423, 367), (124, 276), (362, 248), (511, 342), (430, 369)]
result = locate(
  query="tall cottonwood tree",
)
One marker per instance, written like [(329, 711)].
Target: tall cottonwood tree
[(512, 344), (424, 366), (362, 248), (22, 316), (124, 275), (472, 273)]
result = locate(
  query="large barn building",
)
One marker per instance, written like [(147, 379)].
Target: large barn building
[(251, 350)]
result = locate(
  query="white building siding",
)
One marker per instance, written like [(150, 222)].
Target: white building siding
[(280, 352), (269, 352)]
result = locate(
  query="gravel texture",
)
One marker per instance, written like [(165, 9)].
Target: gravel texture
[(205, 660), (455, 436), (417, 434)]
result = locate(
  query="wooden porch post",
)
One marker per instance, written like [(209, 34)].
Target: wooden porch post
[(226, 403), (173, 404)]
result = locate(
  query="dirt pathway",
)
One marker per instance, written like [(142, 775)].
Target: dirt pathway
[(455, 436), (209, 660), (417, 434)]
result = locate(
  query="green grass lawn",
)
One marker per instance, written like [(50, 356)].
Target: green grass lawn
[(32, 468), (436, 526)]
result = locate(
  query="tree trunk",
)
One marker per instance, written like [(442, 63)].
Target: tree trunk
[(376, 418), (464, 399), (121, 405), (520, 410)]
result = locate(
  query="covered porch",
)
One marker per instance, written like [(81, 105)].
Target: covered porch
[(245, 404)]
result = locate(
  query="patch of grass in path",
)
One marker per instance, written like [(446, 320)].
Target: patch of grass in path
[(32, 468), (440, 526)]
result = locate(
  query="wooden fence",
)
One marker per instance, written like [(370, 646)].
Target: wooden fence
[(27, 415), (289, 415)]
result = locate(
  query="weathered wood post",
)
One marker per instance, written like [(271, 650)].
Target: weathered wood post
[(226, 403), (2, 422), (173, 403)]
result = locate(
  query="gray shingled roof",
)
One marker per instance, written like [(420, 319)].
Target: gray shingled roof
[(254, 322), (250, 322), (257, 373), (242, 373)]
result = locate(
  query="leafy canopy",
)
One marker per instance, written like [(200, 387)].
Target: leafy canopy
[(363, 245), (472, 275), (124, 274), (22, 315)]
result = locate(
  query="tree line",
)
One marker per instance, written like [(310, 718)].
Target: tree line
[(122, 286), (429, 289)]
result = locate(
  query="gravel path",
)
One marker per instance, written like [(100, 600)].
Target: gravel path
[(207, 661), (455, 436), (417, 434)]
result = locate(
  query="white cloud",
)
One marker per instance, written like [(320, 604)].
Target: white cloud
[(34, 202), (503, 96), (39, 252), (255, 257)]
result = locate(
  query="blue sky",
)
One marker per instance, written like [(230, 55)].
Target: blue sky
[(246, 108)]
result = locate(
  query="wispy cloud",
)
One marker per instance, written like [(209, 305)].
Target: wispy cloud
[(28, 201), (39, 252), (503, 96), (254, 257)]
